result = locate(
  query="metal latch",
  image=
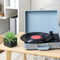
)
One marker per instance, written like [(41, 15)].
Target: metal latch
[(43, 48)]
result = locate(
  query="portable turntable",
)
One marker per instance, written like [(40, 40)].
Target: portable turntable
[(41, 30)]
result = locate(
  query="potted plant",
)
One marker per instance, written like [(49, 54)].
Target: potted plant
[(10, 40)]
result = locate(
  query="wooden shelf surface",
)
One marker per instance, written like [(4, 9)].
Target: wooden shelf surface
[(20, 48)]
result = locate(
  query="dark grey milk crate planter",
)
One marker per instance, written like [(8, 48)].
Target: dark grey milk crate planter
[(10, 44)]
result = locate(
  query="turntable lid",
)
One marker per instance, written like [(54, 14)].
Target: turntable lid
[(41, 21)]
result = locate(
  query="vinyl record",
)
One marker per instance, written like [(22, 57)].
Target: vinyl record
[(36, 37)]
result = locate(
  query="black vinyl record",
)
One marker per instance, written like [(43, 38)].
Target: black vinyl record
[(36, 37)]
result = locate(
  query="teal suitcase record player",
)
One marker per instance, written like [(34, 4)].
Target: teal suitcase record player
[(41, 30)]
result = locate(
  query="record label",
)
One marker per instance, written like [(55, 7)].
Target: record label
[(35, 37)]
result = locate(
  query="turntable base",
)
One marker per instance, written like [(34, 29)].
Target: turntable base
[(41, 41)]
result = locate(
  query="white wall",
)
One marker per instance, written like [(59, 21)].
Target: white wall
[(37, 4), (4, 26), (23, 5)]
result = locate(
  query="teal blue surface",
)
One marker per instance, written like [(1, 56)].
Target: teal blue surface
[(41, 21)]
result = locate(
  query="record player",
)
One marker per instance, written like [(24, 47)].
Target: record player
[(41, 30)]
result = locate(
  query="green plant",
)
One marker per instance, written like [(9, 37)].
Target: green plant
[(9, 36)]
